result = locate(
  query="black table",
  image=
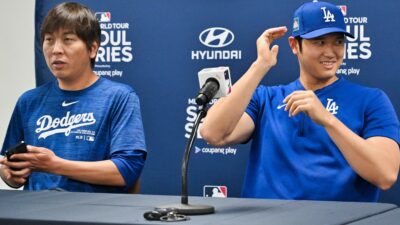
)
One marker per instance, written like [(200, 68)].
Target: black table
[(21, 207)]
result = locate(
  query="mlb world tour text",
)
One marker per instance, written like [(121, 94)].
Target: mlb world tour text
[(360, 45), (357, 48), (114, 46)]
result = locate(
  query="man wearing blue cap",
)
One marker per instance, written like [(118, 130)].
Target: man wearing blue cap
[(320, 137)]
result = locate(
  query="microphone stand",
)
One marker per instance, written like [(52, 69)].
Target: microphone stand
[(184, 207)]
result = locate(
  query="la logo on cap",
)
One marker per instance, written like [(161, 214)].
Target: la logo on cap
[(328, 16)]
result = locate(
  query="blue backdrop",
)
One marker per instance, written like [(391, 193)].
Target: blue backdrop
[(155, 46)]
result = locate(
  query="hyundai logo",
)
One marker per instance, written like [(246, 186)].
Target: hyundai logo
[(216, 37)]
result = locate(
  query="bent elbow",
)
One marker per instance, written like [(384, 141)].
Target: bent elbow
[(387, 182), (210, 138)]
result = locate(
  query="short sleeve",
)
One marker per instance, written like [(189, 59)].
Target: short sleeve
[(380, 117), (126, 127), (128, 149), (253, 108)]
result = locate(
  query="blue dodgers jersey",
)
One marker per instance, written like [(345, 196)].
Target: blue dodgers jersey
[(294, 158), (98, 123)]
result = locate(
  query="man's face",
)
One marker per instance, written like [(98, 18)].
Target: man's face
[(67, 55), (321, 57)]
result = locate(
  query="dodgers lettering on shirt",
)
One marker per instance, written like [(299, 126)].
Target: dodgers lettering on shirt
[(50, 126), (98, 123)]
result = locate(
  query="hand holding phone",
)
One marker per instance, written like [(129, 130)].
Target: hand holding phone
[(19, 148)]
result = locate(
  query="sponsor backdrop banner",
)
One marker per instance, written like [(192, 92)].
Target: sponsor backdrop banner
[(158, 47)]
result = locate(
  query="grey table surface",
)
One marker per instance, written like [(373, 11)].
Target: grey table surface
[(48, 207), (391, 217)]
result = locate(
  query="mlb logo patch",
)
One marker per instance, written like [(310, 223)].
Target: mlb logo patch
[(296, 24), (103, 17), (343, 8), (215, 191)]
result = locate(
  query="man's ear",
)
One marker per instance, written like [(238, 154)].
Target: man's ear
[(294, 45), (93, 49)]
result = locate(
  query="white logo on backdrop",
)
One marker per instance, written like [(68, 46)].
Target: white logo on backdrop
[(115, 46), (216, 37), (103, 16)]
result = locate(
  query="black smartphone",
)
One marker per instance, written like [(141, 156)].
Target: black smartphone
[(19, 148)]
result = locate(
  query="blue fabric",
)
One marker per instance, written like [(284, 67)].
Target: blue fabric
[(314, 19), (100, 122), (294, 158)]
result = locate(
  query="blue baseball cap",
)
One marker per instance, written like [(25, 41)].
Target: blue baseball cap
[(314, 19)]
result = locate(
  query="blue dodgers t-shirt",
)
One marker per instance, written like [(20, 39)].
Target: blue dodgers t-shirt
[(98, 123), (294, 158)]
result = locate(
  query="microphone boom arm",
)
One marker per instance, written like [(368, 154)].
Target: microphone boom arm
[(201, 114), (184, 207)]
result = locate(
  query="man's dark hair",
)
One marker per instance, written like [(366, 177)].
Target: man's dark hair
[(299, 40), (75, 17)]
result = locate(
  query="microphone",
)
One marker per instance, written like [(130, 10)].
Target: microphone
[(214, 83)]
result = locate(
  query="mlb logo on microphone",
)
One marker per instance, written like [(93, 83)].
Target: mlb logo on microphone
[(103, 17), (215, 191)]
